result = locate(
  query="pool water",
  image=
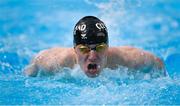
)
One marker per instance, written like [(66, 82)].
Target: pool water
[(27, 27)]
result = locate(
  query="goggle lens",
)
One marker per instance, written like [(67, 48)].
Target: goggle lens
[(85, 49), (101, 47)]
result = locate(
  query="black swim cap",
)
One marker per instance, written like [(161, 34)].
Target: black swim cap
[(90, 30)]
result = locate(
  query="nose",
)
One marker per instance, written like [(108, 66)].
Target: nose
[(92, 56)]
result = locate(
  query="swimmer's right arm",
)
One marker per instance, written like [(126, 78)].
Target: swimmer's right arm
[(50, 61), (31, 70)]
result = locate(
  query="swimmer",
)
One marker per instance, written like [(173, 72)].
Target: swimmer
[(92, 53)]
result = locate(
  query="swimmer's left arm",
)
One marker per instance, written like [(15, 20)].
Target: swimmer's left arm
[(156, 64), (140, 59), (159, 65)]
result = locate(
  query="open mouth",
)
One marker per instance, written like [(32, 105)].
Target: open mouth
[(92, 66), (92, 70)]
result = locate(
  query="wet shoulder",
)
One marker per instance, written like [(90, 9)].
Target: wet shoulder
[(55, 57), (56, 53), (128, 56), (128, 49)]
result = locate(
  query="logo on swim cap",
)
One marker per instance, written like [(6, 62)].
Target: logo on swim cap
[(90, 30), (100, 26), (81, 28), (83, 36)]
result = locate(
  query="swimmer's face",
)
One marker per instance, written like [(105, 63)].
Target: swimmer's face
[(92, 58)]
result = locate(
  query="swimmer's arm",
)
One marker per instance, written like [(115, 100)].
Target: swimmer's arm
[(154, 63), (31, 70), (51, 61), (159, 65), (141, 60), (41, 62)]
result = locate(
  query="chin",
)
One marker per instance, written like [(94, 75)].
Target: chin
[(89, 74)]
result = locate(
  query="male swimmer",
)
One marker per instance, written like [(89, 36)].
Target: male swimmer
[(92, 52)]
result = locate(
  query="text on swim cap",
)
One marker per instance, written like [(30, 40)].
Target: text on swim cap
[(100, 26), (81, 27)]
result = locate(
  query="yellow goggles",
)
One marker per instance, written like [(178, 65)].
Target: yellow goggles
[(86, 49)]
